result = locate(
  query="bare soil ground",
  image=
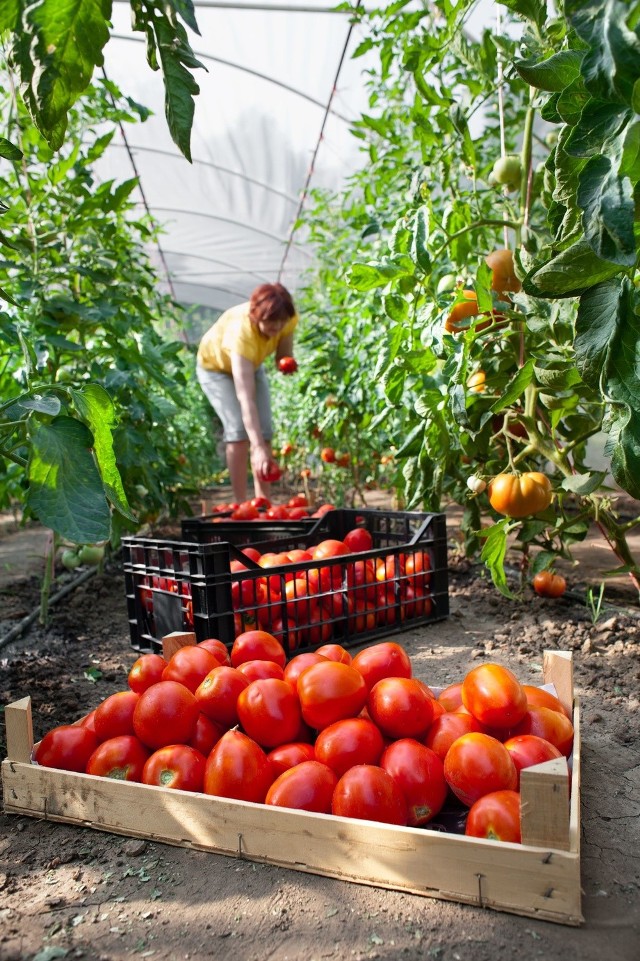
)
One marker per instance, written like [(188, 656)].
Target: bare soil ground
[(77, 893)]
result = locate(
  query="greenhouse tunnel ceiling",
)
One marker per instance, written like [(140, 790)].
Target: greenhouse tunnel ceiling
[(272, 122)]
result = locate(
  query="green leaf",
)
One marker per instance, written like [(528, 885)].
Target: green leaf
[(10, 11), (57, 50), (596, 326), (42, 403), (493, 554), (96, 408), (557, 378), (370, 276), (598, 130), (584, 483), (611, 64), (555, 73), (9, 150), (180, 87), (569, 273), (607, 212), (185, 9), (542, 561), (515, 388), (65, 490), (625, 456), (396, 308)]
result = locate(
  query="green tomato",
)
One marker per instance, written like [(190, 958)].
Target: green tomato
[(70, 560), (91, 554), (507, 171)]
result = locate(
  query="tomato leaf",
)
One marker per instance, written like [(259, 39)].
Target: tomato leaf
[(96, 408), (534, 10), (584, 483), (370, 276), (555, 73), (9, 150), (47, 404), (608, 211), (493, 554), (610, 65), (570, 273), (396, 307), (515, 388), (65, 490), (419, 245), (596, 325)]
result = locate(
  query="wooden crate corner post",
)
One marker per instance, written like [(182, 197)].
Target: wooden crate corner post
[(174, 641), (19, 729)]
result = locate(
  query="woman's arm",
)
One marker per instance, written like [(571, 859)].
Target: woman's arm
[(244, 379), (285, 347)]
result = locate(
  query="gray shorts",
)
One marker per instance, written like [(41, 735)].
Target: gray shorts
[(221, 394)]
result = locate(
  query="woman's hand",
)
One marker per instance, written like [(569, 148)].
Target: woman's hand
[(262, 461)]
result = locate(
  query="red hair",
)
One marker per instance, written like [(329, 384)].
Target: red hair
[(271, 302)]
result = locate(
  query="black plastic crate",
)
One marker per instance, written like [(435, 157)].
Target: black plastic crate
[(217, 591)]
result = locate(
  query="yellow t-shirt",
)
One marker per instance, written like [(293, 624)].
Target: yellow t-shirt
[(233, 333)]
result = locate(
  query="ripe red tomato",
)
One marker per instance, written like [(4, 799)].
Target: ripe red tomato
[(114, 715), (548, 584), (451, 697), (386, 659), (550, 725), (207, 734), (448, 728), (288, 755), (166, 713), (245, 512), (538, 697), (238, 768), (358, 539), (493, 694), (420, 774), (401, 707), (259, 502), (361, 580), (298, 500), (335, 652), (287, 365), (147, 670), (278, 513), (368, 793), (176, 766), (308, 786), (329, 692), (217, 648), (477, 764), (417, 568), (257, 646), (528, 749), (269, 712), (122, 758), (495, 816), (346, 743), (217, 696), (272, 473), (260, 670), (297, 665), (190, 665), (328, 455), (68, 747)]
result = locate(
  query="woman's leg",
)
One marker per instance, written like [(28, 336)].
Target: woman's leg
[(237, 453)]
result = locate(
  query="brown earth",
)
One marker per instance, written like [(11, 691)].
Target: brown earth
[(74, 892)]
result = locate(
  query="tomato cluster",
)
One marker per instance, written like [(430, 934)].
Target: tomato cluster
[(359, 737), (262, 509), (306, 596)]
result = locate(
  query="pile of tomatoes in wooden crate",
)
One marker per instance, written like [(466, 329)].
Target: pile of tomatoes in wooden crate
[(359, 737)]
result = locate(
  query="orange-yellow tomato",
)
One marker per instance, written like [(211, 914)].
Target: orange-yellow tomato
[(518, 495), (477, 382), (503, 277)]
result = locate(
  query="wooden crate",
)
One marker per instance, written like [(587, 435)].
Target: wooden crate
[(539, 878)]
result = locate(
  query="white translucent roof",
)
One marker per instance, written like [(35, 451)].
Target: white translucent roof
[(271, 122)]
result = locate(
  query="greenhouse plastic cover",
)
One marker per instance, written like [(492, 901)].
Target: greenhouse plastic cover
[(272, 121)]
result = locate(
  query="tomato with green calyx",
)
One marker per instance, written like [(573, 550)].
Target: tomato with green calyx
[(122, 758), (308, 786), (67, 747), (190, 665), (176, 766), (548, 584), (519, 495), (495, 816)]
